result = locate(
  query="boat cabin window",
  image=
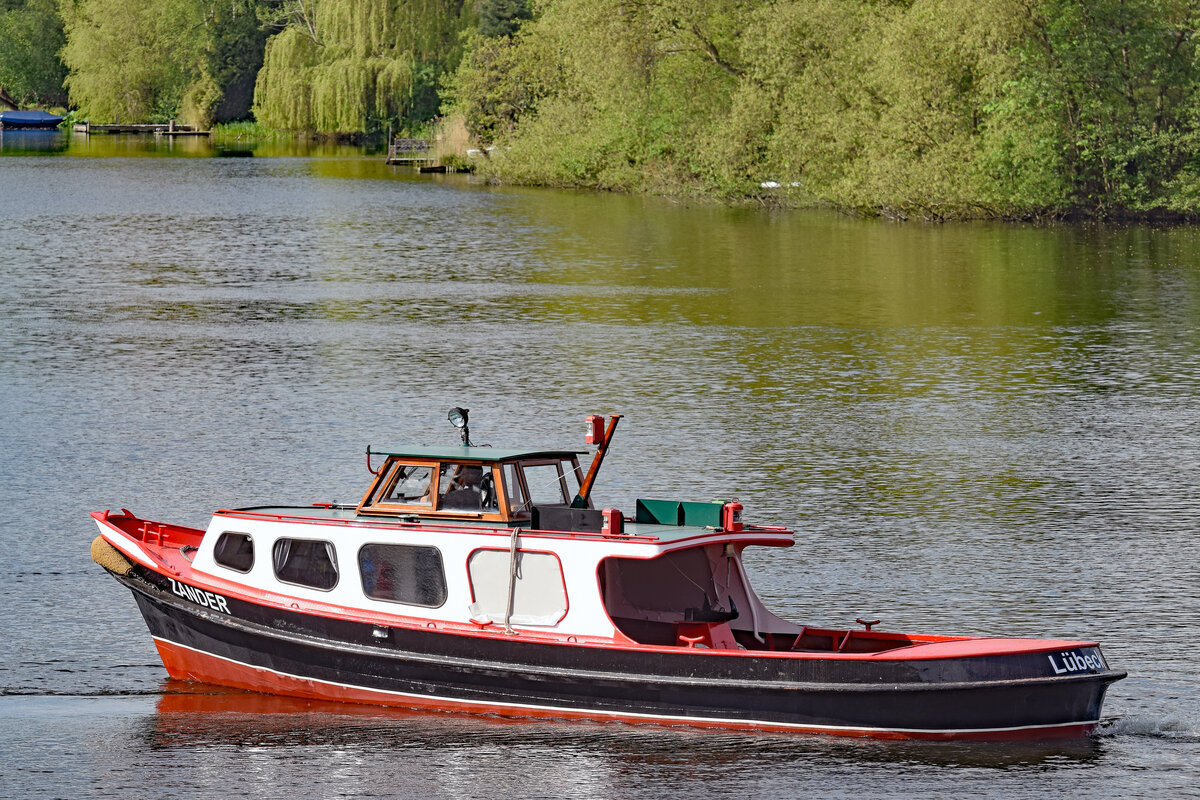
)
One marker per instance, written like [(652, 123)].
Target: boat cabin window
[(551, 483), (539, 591), (467, 487), (517, 507), (432, 484), (306, 562), (401, 573), (409, 485), (234, 551), (648, 598)]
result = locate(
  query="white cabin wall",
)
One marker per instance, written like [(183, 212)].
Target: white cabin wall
[(585, 611), (579, 557)]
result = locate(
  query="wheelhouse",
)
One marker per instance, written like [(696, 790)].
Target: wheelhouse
[(464, 483)]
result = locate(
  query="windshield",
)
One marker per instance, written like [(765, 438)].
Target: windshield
[(409, 486), (466, 487)]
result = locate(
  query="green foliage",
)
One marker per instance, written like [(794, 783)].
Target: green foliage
[(233, 132), (456, 163), (348, 66), (282, 94), (502, 17), (131, 61), (232, 58), (498, 82), (31, 35), (1120, 78), (891, 105), (606, 93), (932, 108), (194, 60)]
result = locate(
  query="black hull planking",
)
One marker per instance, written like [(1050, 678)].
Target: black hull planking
[(419, 667)]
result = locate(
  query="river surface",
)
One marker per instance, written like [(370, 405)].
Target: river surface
[(977, 429)]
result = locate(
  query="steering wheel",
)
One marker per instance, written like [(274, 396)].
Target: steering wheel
[(487, 491)]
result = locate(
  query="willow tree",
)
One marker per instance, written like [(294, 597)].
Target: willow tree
[(131, 61), (152, 60), (348, 66)]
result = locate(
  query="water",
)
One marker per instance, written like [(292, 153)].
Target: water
[(981, 429)]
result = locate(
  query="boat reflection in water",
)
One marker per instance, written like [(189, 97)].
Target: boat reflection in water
[(19, 141), (482, 579), (191, 717)]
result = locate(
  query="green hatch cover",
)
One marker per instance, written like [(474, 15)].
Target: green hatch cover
[(674, 512)]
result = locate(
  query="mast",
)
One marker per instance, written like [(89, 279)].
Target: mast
[(585, 488)]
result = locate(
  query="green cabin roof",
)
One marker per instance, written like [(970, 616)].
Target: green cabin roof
[(463, 453)]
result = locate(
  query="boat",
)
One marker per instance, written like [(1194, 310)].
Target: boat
[(28, 120), (486, 580)]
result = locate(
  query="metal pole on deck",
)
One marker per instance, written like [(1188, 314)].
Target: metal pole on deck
[(585, 489), (512, 580)]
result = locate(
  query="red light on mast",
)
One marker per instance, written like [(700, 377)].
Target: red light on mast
[(595, 429)]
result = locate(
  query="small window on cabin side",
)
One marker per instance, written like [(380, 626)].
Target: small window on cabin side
[(305, 562), (409, 486), (516, 495), (539, 594), (545, 484), (468, 488), (401, 573), (234, 551)]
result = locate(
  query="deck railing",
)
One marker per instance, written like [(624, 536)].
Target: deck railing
[(408, 151)]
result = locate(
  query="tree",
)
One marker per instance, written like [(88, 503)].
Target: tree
[(31, 35), (161, 59), (1119, 79), (131, 61), (612, 93), (929, 107), (498, 83), (502, 17), (232, 56), (348, 66)]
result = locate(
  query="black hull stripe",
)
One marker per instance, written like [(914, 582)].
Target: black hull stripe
[(635, 679), (686, 668), (570, 711), (509, 674)]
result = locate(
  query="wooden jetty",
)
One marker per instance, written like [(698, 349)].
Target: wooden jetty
[(409, 151), (156, 128)]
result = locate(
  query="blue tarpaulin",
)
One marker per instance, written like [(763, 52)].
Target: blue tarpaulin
[(28, 119)]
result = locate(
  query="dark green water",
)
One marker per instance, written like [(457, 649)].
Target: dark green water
[(982, 429)]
